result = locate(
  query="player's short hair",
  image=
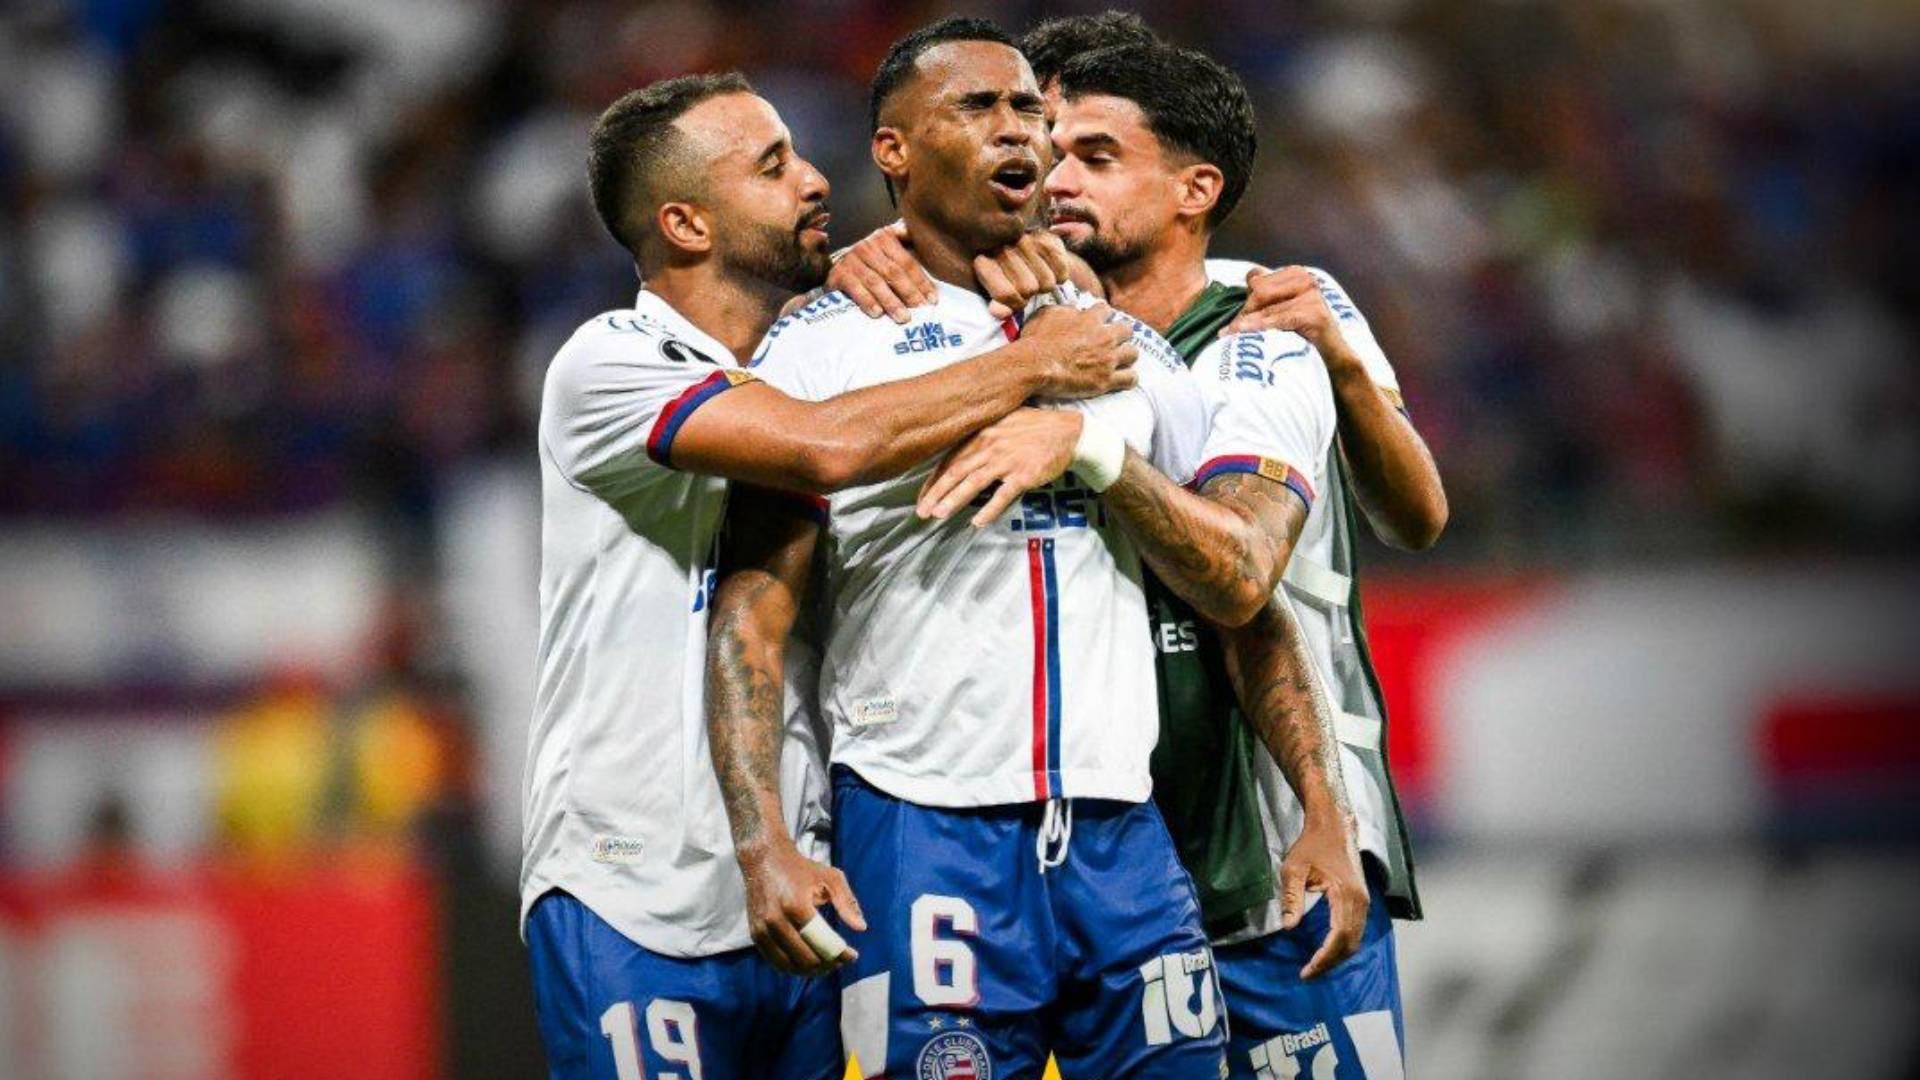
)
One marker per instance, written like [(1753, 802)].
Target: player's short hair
[(897, 66), (1052, 43), (1193, 105), (635, 156)]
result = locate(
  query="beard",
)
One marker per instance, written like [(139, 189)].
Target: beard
[(1103, 252), (775, 256)]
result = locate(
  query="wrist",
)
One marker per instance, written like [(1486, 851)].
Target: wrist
[(1099, 454)]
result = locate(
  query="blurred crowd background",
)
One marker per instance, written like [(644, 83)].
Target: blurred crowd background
[(279, 280)]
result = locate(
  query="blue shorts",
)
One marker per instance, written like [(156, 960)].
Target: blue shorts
[(611, 1010), (976, 965), (1343, 1025)]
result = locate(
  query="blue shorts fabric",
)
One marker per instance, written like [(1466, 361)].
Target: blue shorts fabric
[(599, 996), (1344, 1025), (975, 964)]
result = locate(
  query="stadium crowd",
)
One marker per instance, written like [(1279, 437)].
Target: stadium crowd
[(1647, 270)]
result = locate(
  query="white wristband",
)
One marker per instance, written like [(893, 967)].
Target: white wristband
[(1099, 455)]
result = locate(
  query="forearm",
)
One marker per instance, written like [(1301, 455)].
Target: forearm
[(1213, 555), (882, 431), (745, 708), (1281, 693), (1394, 475)]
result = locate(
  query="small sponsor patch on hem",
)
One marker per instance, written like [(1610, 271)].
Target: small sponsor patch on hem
[(880, 710), (619, 850)]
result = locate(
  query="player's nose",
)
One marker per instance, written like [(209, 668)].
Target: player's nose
[(813, 183)]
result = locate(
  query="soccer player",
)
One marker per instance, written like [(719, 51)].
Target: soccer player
[(1392, 476), (632, 902), (990, 689), (1155, 144)]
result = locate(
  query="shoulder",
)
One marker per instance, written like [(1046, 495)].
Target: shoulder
[(829, 315), (1155, 351), (1254, 356), (1230, 271)]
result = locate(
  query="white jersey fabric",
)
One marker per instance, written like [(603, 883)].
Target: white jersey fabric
[(1264, 421), (978, 667), (622, 806)]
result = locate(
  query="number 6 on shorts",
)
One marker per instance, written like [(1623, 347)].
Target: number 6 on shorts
[(943, 968)]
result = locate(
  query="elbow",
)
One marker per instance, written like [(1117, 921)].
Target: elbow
[(1237, 607), (1418, 527), (829, 465)]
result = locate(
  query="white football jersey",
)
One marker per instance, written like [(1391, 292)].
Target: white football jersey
[(1353, 325), (975, 667), (1265, 422), (622, 806)]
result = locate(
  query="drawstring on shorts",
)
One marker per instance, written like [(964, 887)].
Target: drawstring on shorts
[(1056, 833)]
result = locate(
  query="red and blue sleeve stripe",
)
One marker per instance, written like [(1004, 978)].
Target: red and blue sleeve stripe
[(667, 424), (1278, 471), (1044, 586)]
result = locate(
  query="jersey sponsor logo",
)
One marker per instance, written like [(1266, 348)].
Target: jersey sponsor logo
[(1066, 503), (1177, 637), (682, 353), (1245, 358), (1177, 997), (1293, 1055), (617, 850), (925, 337), (955, 1055), (877, 710)]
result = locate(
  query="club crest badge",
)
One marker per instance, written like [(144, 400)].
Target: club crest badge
[(957, 1055)]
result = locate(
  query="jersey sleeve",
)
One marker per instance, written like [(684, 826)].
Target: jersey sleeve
[(1273, 411), (804, 355), (618, 395), (1180, 408), (1359, 335)]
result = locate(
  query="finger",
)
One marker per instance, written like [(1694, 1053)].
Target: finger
[(1035, 263), (903, 278), (1293, 894), (923, 501), (962, 493), (1054, 250), (997, 504), (1021, 270), (954, 472), (803, 954), (993, 279), (1344, 929), (890, 298), (781, 944), (861, 296), (826, 942), (844, 902)]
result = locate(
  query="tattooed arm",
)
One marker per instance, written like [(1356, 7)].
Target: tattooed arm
[(1280, 692), (1222, 550), (765, 562)]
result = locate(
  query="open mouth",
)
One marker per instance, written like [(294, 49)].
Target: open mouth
[(1014, 182)]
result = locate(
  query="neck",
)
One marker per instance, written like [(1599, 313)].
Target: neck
[(944, 255), (1157, 287), (734, 311)]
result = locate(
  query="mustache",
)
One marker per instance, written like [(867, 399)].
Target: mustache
[(1066, 211), (815, 218)]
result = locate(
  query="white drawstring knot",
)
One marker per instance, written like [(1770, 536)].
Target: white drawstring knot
[(1056, 833)]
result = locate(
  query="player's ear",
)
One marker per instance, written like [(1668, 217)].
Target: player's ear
[(685, 227), (890, 153), (1197, 188)]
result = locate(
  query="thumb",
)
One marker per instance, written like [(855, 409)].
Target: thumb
[(844, 902), (999, 310)]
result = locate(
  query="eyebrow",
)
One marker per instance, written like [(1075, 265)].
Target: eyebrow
[(772, 151), (1097, 140), (1019, 99)]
